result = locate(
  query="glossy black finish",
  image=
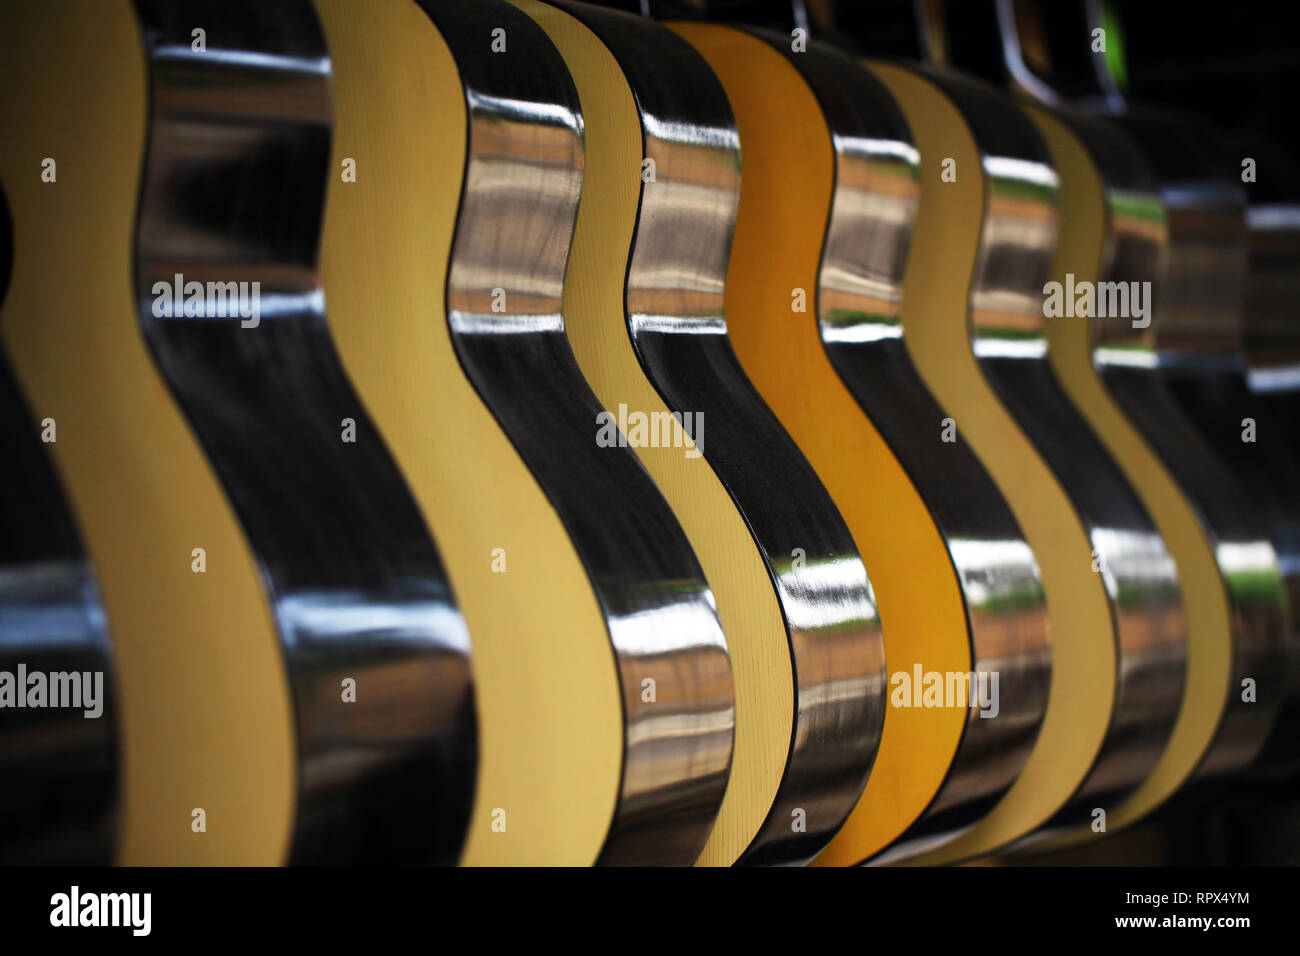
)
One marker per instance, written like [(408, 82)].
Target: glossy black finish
[(1181, 380), (680, 338), (1014, 258), (1268, 471), (1139, 574), (1271, 339), (1271, 334), (233, 190), (516, 220), (1253, 588), (1140, 578), (1003, 597), (1128, 363), (59, 798), (1200, 340)]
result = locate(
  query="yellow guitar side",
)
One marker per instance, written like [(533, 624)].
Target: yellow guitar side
[(786, 181), (1209, 635), (204, 712), (938, 336), (596, 325), (547, 691)]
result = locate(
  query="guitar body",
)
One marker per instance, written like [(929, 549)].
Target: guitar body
[(672, 344), (59, 765), (1117, 228), (1179, 224), (376, 651), (939, 765), (202, 705), (1128, 555), (1205, 226), (533, 433), (1267, 471), (547, 693), (1201, 342), (515, 223), (1113, 220), (1271, 348), (994, 252)]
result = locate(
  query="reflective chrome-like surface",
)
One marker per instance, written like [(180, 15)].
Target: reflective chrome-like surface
[(860, 285), (1272, 329), (59, 767), (1174, 224), (1198, 318), (1007, 334), (674, 302), (1272, 352), (517, 215), (233, 191)]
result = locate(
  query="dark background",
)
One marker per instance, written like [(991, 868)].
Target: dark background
[(1237, 63)]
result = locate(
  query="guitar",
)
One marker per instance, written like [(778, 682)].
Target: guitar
[(547, 695), (504, 299), (242, 623), (1117, 635), (1200, 348), (1270, 356), (362, 600), (1120, 227), (1118, 241), (202, 709), (59, 762), (355, 366), (945, 546), (1128, 550), (1136, 730), (791, 589)]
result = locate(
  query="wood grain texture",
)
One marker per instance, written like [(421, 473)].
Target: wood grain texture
[(548, 699), (596, 325), (1209, 630), (936, 318), (205, 718), (786, 182)]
